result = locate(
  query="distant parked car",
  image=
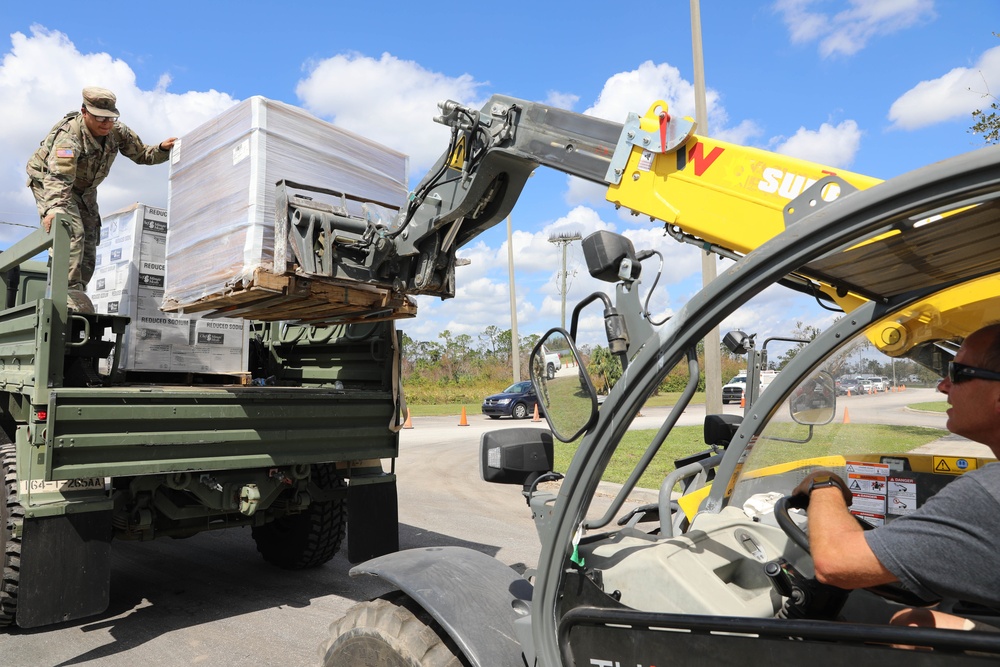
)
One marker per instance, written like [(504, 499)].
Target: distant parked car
[(847, 385), (517, 401)]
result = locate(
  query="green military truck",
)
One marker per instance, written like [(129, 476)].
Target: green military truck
[(297, 449)]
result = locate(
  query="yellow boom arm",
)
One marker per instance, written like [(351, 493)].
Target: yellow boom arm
[(728, 195)]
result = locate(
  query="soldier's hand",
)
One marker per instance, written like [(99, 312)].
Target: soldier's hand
[(167, 144), (47, 222)]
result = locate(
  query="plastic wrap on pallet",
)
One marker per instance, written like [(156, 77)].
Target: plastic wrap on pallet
[(128, 280), (222, 189)]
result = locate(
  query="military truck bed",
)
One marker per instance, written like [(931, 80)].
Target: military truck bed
[(121, 431)]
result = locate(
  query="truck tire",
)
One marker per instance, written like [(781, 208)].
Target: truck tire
[(550, 371), (391, 631), (11, 514), (310, 538)]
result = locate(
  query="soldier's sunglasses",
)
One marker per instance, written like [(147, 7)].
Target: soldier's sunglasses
[(960, 373), (104, 119)]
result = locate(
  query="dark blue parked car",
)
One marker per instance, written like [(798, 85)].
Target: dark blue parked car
[(517, 401)]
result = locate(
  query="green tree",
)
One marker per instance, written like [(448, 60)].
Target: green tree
[(491, 339), (803, 332), (604, 368), (987, 123), (503, 345)]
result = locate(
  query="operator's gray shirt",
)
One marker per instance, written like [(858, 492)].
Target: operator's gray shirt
[(950, 547)]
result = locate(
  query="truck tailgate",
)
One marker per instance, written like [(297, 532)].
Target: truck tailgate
[(97, 432)]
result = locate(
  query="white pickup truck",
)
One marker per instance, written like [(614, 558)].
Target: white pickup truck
[(552, 363), (733, 390)]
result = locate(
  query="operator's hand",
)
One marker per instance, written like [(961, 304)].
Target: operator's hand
[(167, 144), (47, 222), (800, 495)]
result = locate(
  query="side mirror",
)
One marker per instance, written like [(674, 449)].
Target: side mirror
[(814, 402), (515, 455), (567, 397), (608, 255)]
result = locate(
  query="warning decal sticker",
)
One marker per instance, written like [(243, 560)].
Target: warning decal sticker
[(954, 465)]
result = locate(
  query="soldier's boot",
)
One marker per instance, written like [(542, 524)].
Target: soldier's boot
[(78, 301)]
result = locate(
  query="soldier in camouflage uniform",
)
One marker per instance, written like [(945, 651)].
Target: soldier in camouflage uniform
[(71, 162)]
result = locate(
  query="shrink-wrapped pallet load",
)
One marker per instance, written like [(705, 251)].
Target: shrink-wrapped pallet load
[(221, 240), (128, 280)]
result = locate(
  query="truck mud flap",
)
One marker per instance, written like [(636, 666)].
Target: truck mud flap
[(372, 518), (65, 568)]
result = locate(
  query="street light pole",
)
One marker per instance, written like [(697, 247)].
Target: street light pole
[(515, 346), (713, 354), (564, 240)]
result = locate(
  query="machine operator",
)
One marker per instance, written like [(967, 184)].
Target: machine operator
[(948, 548)]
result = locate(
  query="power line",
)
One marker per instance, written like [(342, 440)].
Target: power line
[(18, 224)]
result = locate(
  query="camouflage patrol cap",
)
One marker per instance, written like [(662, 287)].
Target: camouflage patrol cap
[(100, 101)]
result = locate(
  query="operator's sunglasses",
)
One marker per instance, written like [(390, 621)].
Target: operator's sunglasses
[(960, 373)]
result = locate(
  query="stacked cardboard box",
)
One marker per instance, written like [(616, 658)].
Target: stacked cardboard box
[(128, 280), (222, 198)]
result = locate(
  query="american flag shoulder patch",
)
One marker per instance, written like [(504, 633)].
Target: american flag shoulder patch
[(64, 152)]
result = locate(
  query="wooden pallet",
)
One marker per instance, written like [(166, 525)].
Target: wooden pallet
[(185, 378), (302, 299)]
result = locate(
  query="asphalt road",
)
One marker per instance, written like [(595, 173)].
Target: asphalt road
[(211, 600)]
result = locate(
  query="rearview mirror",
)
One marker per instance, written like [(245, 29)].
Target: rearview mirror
[(814, 401), (515, 455), (567, 394)]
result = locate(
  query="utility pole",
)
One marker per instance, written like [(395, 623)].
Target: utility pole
[(564, 239), (713, 354), (515, 343)]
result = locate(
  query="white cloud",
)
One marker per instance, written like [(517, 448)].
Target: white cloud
[(849, 31), (742, 134), (636, 90), (633, 92), (775, 312), (955, 94), (388, 100), (833, 145), (42, 76), (562, 100), (580, 192)]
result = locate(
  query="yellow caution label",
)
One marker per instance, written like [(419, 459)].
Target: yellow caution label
[(954, 465), (457, 158)]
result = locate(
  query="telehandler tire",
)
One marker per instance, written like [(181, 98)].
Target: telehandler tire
[(310, 538), (391, 631), (11, 514)]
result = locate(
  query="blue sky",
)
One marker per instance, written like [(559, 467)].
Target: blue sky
[(878, 87)]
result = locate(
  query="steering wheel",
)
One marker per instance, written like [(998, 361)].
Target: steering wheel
[(893, 592)]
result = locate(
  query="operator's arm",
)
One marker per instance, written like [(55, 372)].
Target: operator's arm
[(841, 555), (131, 146)]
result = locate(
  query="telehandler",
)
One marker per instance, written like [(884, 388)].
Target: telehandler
[(719, 573)]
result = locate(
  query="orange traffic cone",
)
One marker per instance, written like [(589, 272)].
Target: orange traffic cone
[(463, 421), (535, 418), (743, 400), (408, 423), (847, 417)]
